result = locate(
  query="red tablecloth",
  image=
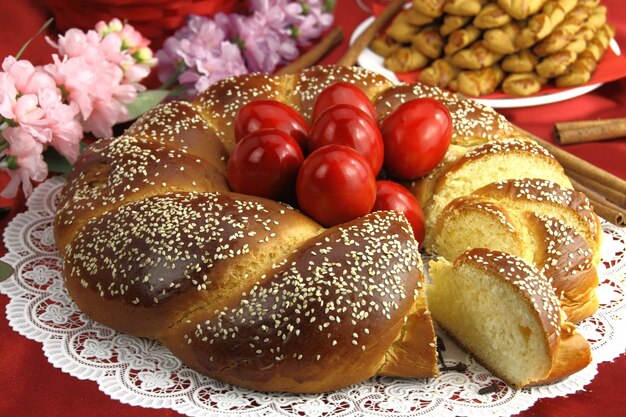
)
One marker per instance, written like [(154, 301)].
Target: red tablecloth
[(30, 386)]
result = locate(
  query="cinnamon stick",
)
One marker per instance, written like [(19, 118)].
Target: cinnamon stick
[(580, 166), (315, 54), (603, 208), (364, 39), (567, 133), (610, 194)]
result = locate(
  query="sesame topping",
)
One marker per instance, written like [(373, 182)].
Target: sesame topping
[(553, 199), (473, 123), (152, 248), (531, 283), (338, 285)]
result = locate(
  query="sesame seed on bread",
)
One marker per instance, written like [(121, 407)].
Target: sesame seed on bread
[(255, 293)]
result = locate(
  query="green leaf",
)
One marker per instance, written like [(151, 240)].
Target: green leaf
[(56, 162), (5, 271), (144, 102)]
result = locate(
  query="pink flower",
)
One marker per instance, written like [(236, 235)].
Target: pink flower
[(27, 78), (28, 155), (263, 48), (97, 92), (62, 119), (99, 73), (36, 116), (76, 43), (132, 39)]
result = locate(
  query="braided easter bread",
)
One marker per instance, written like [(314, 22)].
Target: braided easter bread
[(549, 226), (248, 290)]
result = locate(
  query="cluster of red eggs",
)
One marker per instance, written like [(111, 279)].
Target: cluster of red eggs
[(332, 166)]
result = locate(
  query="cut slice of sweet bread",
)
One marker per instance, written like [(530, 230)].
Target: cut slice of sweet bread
[(461, 173), (555, 248), (547, 198), (506, 314)]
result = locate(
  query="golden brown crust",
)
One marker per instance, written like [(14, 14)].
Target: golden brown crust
[(437, 179), (521, 9), (546, 197), (522, 84), (527, 281), (344, 294), (145, 222), (514, 279), (477, 82), (473, 123), (572, 355), (143, 265), (555, 248), (115, 171), (220, 103), (565, 257), (491, 16)]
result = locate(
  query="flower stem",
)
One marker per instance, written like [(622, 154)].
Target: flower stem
[(4, 144), (180, 67), (39, 32)]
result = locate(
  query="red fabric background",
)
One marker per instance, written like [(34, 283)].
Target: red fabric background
[(30, 386)]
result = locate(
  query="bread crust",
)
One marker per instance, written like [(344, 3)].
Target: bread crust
[(555, 248), (156, 245), (323, 308)]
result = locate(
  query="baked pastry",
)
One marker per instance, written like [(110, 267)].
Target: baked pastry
[(245, 289), (401, 29), (538, 221), (429, 42), (464, 7), (467, 170), (502, 40), (521, 9), (452, 22), (504, 311), (517, 35), (522, 84), (461, 38), (439, 73), (542, 24), (519, 62), (476, 57), (414, 17), (431, 8), (406, 60), (564, 33), (384, 46), (478, 82), (491, 16), (473, 123), (580, 71), (198, 264), (555, 64)]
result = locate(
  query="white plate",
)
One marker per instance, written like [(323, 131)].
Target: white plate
[(374, 62)]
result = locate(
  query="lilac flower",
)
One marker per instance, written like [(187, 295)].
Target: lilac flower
[(263, 48), (205, 51), (312, 22), (226, 61), (201, 54)]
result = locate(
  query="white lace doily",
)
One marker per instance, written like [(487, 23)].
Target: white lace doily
[(144, 373)]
